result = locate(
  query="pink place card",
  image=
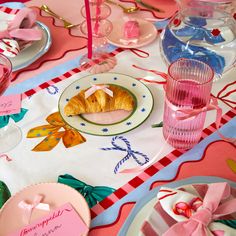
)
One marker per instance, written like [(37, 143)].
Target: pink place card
[(10, 104), (61, 222)]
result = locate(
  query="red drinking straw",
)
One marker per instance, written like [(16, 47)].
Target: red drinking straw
[(89, 29)]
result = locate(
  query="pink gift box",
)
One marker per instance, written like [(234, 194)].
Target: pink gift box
[(131, 29)]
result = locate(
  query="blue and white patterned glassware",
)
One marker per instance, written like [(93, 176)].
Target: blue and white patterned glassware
[(203, 33)]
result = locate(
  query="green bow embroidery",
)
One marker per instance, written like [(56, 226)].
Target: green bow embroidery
[(4, 193), (92, 195), (4, 120)]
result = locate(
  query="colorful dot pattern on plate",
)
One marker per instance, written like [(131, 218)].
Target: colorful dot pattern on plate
[(142, 94)]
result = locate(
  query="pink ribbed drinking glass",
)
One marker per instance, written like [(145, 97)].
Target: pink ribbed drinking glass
[(188, 86)]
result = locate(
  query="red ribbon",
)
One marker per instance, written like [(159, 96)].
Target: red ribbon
[(162, 74), (139, 53), (192, 113)]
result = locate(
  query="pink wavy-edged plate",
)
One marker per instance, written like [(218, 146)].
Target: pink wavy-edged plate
[(169, 7), (54, 194)]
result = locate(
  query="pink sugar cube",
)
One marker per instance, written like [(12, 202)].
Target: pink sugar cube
[(131, 29)]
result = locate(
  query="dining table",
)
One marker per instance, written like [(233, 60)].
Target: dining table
[(102, 158)]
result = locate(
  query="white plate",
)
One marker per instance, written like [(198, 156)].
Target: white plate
[(32, 53), (148, 34), (143, 97), (144, 206)]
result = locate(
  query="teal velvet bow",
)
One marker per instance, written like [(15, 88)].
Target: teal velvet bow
[(4, 120), (230, 223), (4, 193), (92, 195)]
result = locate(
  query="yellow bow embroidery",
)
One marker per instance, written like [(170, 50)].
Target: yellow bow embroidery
[(70, 137)]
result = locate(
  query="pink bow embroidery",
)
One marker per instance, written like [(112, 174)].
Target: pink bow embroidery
[(28, 208), (211, 209), (21, 26), (95, 87)]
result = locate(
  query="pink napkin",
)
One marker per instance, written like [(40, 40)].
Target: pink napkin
[(192, 210), (17, 30)]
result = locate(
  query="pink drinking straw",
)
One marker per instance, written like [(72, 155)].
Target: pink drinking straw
[(89, 29)]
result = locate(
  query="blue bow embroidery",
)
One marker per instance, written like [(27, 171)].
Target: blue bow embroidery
[(130, 152), (4, 120)]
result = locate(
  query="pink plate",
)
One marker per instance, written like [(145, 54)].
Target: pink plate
[(54, 194), (169, 7), (148, 34)]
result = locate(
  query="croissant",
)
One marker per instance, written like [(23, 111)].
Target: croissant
[(100, 101)]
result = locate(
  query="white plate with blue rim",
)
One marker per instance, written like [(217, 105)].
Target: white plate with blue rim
[(116, 122), (144, 206), (33, 52)]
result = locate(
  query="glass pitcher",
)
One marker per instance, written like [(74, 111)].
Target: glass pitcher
[(202, 30)]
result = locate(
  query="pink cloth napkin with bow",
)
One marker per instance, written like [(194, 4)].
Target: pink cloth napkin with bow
[(192, 210), (17, 30)]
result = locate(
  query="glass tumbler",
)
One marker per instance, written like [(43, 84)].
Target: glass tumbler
[(188, 87), (202, 31), (10, 135)]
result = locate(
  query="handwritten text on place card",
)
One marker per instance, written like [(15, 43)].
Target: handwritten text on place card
[(10, 104), (61, 222)]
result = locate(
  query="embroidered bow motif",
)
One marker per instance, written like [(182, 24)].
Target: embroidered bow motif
[(130, 152), (69, 136), (92, 195), (21, 26), (4, 120), (29, 207)]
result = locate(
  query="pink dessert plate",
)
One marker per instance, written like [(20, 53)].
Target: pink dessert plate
[(169, 7), (148, 34), (54, 194)]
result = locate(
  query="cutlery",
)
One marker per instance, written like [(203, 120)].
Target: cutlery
[(66, 23), (125, 9), (149, 6)]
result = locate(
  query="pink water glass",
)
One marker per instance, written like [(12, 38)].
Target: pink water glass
[(10, 135), (188, 86), (5, 73)]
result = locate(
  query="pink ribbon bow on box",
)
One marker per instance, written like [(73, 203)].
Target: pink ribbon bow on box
[(21, 26), (95, 87), (28, 208)]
